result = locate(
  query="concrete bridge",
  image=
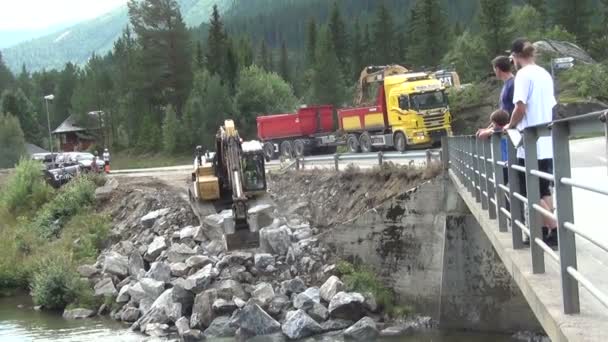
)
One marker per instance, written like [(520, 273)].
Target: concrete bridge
[(566, 288)]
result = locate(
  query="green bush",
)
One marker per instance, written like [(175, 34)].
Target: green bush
[(55, 284), (25, 189), (360, 279), (84, 297), (72, 198), (588, 81), (12, 141), (85, 235)]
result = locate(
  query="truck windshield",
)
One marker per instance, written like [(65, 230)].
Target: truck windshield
[(429, 100)]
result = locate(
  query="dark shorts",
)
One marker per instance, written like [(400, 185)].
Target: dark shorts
[(544, 165)]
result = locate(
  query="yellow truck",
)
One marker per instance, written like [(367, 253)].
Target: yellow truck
[(410, 110)]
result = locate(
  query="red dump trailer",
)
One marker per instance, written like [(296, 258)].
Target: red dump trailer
[(310, 130)]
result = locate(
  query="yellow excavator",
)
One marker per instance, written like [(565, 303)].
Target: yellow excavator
[(232, 177)]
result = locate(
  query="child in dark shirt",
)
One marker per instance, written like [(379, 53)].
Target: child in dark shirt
[(501, 118)]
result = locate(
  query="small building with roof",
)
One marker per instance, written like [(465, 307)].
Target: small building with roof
[(78, 134)]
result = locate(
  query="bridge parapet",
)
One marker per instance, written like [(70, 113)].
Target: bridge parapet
[(471, 161)]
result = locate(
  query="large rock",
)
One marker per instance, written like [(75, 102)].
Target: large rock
[(130, 314), (220, 327), (198, 261), (364, 330), (318, 312), (163, 310), (347, 305), (299, 325), (307, 299), (263, 294), (263, 260), (275, 240), (295, 285), (151, 217), (136, 263), (200, 280), (146, 288), (223, 307), (252, 320), (278, 304), (259, 216), (156, 329), (158, 245), (179, 252), (78, 313), (229, 288), (179, 269), (329, 289), (123, 294), (87, 271), (160, 271), (116, 264), (105, 287), (181, 295), (202, 310), (336, 324), (190, 232)]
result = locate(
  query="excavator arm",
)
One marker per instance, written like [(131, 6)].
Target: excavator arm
[(373, 74)]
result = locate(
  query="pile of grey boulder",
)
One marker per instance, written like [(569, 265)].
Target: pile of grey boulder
[(166, 280)]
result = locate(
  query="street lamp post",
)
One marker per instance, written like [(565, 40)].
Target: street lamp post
[(50, 97)]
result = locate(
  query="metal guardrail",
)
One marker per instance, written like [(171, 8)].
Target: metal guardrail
[(381, 157), (473, 162)]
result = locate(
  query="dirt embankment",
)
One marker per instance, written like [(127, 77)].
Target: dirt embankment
[(329, 198)]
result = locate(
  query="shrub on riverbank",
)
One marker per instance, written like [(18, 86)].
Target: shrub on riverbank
[(25, 190), (54, 283)]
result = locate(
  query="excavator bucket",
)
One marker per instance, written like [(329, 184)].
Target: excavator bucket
[(242, 238)]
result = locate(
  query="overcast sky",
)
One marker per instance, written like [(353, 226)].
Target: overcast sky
[(37, 14)]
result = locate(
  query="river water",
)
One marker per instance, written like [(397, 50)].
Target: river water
[(20, 323)]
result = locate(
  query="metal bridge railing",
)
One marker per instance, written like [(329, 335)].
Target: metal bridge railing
[(472, 161), (380, 157)]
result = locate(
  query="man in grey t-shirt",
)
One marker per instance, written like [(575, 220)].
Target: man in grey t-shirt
[(534, 100)]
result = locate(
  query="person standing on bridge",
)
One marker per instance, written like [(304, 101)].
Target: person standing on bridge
[(503, 71), (534, 100)]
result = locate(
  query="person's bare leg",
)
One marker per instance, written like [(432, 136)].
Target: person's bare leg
[(547, 203)]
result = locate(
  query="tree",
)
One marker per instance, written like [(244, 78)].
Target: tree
[(12, 141), (284, 63), (16, 103), (231, 66), (495, 25), (165, 65), (24, 82), (260, 92), (216, 43), (245, 52), (63, 97), (598, 46), (339, 37), (265, 58), (428, 33), (526, 22), (541, 7), (328, 84), (199, 58), (357, 50), (383, 38), (469, 57), (311, 42), (6, 77), (575, 17), (170, 130)]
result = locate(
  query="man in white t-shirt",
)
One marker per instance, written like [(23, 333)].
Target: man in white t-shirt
[(534, 100)]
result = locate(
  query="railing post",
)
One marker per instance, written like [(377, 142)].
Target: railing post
[(380, 157), (428, 157), (476, 171), (483, 175), (337, 161), (490, 187), (533, 195), (498, 181), (445, 152), (565, 213), (297, 163), (471, 169), (516, 207)]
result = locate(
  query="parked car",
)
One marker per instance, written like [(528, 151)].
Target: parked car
[(59, 176), (85, 161)]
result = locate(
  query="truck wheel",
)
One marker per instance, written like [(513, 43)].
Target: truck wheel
[(353, 144), (269, 151), (400, 142), (299, 148), (365, 141), (286, 149)]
